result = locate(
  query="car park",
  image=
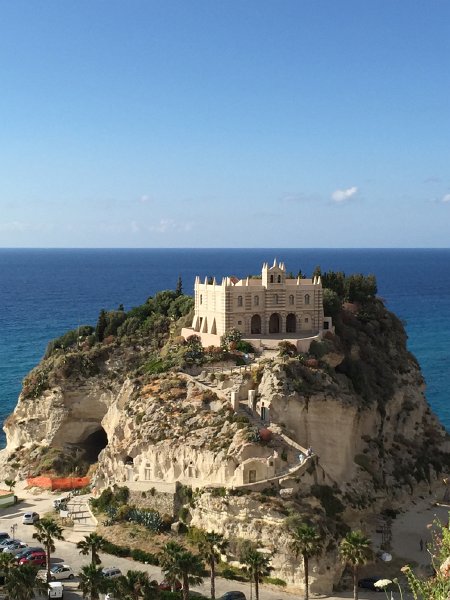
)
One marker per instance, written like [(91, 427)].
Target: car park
[(58, 572), (111, 572), (30, 518), (233, 595)]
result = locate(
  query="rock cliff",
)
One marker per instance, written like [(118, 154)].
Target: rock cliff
[(357, 399)]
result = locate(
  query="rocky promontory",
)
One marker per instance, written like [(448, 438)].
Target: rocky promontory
[(132, 403)]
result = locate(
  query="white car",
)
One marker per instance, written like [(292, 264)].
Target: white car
[(58, 572), (30, 518)]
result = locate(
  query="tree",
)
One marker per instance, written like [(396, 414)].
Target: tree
[(178, 563), (92, 544), (179, 288), (10, 483), (306, 541), (355, 550), (133, 586), (92, 582), (102, 324), (22, 582), (47, 531), (211, 546), (257, 566)]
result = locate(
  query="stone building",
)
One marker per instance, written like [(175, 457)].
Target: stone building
[(270, 306)]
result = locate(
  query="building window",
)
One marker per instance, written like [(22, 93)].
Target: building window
[(276, 298), (256, 301), (291, 299), (239, 300), (279, 278), (252, 476), (271, 279), (306, 320), (307, 299), (201, 299), (148, 473), (239, 322)]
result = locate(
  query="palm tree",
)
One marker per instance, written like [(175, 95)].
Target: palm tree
[(133, 586), (92, 544), (178, 563), (47, 532), (257, 565), (355, 550), (211, 546), (306, 541), (21, 582), (92, 582)]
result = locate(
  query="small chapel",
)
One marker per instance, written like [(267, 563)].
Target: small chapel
[(270, 306)]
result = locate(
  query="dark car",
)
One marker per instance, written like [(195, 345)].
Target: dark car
[(26, 551), (166, 586), (233, 596), (368, 583)]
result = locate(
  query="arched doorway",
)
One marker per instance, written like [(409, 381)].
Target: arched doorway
[(291, 324), (256, 324), (274, 323)]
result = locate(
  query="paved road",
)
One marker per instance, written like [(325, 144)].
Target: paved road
[(67, 552)]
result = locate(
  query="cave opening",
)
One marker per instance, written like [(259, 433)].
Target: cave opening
[(93, 444)]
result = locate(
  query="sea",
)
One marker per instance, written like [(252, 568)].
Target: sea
[(45, 292)]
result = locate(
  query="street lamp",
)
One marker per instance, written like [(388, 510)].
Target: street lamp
[(13, 529)]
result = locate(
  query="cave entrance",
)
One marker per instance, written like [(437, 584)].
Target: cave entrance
[(93, 444)]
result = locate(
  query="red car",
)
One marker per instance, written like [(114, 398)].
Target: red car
[(166, 586), (37, 557)]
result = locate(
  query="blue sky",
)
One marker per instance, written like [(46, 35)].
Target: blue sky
[(235, 123)]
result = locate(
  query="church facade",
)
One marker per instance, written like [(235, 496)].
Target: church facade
[(268, 306)]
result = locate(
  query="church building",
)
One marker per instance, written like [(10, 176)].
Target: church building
[(268, 306)]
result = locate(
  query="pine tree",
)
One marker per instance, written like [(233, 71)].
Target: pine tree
[(179, 288), (102, 324)]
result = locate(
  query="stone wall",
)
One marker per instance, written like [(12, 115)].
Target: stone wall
[(166, 503)]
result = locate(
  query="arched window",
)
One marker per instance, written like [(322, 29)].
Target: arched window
[(276, 298), (201, 299), (256, 300), (271, 279), (306, 298), (291, 299), (239, 300), (279, 278)]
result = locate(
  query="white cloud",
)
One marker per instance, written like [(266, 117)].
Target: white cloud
[(166, 225), (340, 196), (23, 227), (145, 199), (446, 198)]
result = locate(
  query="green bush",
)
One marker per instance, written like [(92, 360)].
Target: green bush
[(275, 581)]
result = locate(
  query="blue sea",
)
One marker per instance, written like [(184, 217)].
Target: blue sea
[(43, 293)]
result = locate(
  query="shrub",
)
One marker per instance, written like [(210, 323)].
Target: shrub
[(275, 581)]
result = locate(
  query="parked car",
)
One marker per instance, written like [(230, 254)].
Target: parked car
[(4, 536), (58, 572), (26, 551), (368, 583), (36, 557), (30, 518), (234, 595), (55, 590), (14, 547), (166, 586), (111, 572)]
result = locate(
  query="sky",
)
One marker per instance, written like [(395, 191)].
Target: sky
[(225, 123)]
